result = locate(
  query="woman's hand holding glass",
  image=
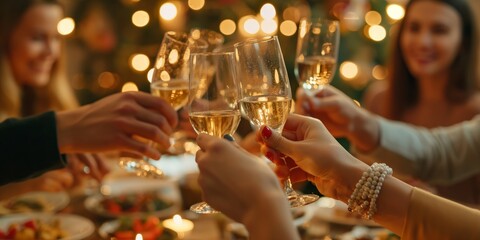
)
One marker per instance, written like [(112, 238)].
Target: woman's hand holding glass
[(317, 53), (312, 154), (266, 96), (213, 99)]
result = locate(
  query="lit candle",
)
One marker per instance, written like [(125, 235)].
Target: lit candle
[(179, 225), (138, 237)]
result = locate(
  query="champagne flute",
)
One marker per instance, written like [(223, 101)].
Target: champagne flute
[(213, 110), (169, 82), (170, 75), (317, 53), (265, 93)]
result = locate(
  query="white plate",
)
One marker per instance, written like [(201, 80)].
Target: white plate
[(76, 227), (109, 227), (334, 211), (52, 201), (166, 190)]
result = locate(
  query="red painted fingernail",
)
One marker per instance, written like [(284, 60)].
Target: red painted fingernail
[(266, 132), (270, 155)]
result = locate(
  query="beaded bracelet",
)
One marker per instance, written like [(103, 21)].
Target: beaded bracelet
[(364, 197)]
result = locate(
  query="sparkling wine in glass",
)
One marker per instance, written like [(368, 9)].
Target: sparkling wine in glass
[(265, 93), (170, 75), (317, 53), (213, 110)]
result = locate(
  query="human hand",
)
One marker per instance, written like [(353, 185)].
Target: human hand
[(341, 115), (93, 165), (185, 125), (114, 122), (51, 181), (234, 181), (320, 158)]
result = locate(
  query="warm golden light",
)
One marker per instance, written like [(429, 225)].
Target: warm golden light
[(150, 74), (251, 26), (138, 237), (140, 62), (168, 11), (395, 11), (379, 72), (196, 4), (268, 11), (227, 27), (292, 14), (140, 18), (377, 33), (106, 80), (269, 26), (66, 26), (129, 87), (348, 70), (373, 18), (288, 28)]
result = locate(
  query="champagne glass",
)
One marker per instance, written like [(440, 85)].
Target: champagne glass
[(317, 53), (265, 94), (169, 82), (170, 75), (213, 109)]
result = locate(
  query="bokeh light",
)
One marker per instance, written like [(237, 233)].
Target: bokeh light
[(66, 26), (168, 11), (140, 18), (395, 11), (373, 18), (377, 33), (227, 27), (269, 26), (288, 28), (379, 72), (348, 70), (196, 4), (140, 62), (129, 87), (268, 11)]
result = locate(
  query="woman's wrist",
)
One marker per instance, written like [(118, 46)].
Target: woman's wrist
[(365, 135), (348, 178), (270, 217), (65, 122)]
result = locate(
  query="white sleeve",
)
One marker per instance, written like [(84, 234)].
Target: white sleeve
[(441, 156)]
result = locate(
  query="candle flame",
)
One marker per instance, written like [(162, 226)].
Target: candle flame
[(177, 219), (138, 237)]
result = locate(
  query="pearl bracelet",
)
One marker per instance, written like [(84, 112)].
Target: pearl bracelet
[(364, 197)]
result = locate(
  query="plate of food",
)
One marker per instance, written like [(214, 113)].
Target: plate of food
[(136, 198), (334, 211), (126, 228), (35, 202), (45, 226)]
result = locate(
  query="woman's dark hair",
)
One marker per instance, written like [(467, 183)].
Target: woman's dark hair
[(403, 89)]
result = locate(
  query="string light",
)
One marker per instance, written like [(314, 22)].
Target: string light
[(140, 62), (129, 87), (377, 33), (348, 70), (395, 11), (227, 27), (140, 18), (66, 26), (288, 28), (268, 11), (196, 4), (168, 11)]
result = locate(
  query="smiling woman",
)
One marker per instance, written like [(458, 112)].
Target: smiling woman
[(31, 71), (433, 75)]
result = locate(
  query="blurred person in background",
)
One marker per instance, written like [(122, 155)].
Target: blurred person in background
[(32, 81), (432, 78)]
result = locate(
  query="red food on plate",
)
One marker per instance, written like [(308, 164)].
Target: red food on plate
[(151, 228)]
